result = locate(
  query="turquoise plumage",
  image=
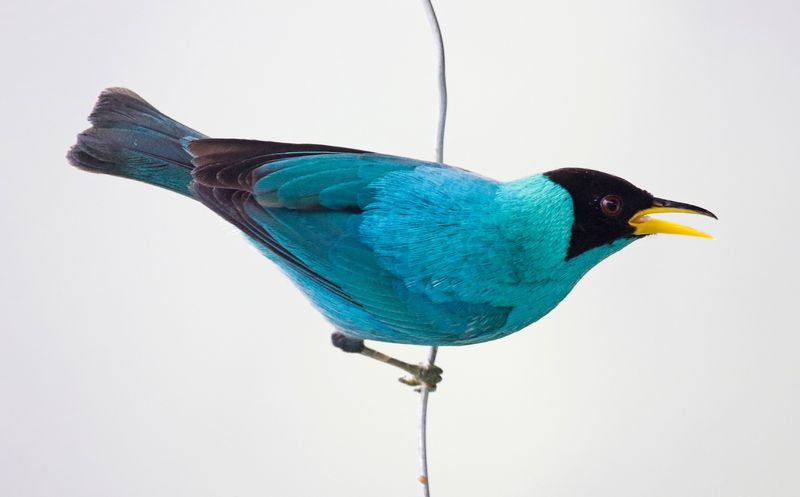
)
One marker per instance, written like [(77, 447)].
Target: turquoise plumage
[(387, 248)]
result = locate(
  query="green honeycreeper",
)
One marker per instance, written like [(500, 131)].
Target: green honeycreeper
[(388, 248)]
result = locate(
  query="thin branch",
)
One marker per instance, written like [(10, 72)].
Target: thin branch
[(437, 33), (424, 392), (423, 430)]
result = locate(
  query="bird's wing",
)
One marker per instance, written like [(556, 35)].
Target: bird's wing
[(229, 178), (306, 205)]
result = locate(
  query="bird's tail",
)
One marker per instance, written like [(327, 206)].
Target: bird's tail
[(131, 138)]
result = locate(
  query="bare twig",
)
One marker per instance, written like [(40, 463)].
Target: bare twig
[(423, 430), (424, 392), (437, 33)]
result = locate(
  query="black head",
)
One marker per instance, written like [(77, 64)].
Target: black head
[(608, 208), (603, 204)]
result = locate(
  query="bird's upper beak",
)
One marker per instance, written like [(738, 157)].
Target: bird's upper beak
[(645, 225)]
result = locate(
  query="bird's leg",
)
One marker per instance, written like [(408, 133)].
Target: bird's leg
[(420, 374)]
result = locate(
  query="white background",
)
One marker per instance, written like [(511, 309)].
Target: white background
[(147, 350)]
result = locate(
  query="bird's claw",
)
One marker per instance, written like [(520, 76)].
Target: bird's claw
[(424, 374)]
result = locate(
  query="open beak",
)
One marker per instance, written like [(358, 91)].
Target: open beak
[(645, 225)]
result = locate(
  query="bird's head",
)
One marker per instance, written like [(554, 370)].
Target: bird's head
[(607, 208)]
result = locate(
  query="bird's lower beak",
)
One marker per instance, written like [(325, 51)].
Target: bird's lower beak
[(645, 225)]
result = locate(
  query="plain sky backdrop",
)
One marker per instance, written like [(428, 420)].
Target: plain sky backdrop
[(146, 350)]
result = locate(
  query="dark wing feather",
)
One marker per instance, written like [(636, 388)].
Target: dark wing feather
[(228, 163)]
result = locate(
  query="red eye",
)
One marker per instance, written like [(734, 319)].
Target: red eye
[(611, 205)]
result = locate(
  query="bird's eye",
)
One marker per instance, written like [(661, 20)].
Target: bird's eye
[(611, 205)]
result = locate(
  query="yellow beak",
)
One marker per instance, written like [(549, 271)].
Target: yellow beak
[(645, 225)]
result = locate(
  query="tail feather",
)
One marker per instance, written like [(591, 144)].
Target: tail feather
[(131, 138)]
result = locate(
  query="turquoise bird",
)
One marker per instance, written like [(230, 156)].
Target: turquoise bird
[(388, 248)]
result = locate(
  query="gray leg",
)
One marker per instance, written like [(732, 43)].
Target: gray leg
[(420, 374)]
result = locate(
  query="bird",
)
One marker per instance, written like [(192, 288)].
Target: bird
[(388, 248)]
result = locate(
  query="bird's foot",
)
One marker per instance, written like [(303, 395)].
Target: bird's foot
[(418, 376), (423, 374)]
